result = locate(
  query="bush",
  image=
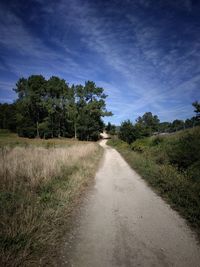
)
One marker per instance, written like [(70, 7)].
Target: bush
[(185, 151), (141, 145), (194, 171), (157, 140), (170, 164), (115, 142), (127, 132)]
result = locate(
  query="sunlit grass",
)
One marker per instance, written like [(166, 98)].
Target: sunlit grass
[(153, 159), (38, 187)]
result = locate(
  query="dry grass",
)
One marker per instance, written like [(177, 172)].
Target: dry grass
[(38, 165), (38, 187), (12, 140)]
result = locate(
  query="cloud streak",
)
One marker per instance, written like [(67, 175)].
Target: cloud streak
[(146, 56)]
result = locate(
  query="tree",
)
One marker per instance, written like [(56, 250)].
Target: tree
[(127, 132), (8, 117), (56, 104), (110, 128), (196, 105), (72, 112), (91, 108), (148, 123), (164, 127), (50, 108), (177, 125), (31, 96)]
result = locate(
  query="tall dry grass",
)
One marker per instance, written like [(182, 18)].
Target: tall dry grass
[(36, 164), (38, 186)]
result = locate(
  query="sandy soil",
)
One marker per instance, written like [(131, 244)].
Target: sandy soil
[(122, 222)]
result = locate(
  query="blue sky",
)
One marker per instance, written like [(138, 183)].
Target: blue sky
[(145, 53)]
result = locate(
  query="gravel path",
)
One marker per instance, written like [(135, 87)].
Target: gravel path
[(122, 222)]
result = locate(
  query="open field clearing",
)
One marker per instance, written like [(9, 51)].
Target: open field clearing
[(39, 187)]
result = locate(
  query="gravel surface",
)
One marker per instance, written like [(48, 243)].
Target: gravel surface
[(122, 222)]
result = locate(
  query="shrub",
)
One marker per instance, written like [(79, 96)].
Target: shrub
[(127, 132), (185, 151), (194, 171), (141, 145), (157, 140)]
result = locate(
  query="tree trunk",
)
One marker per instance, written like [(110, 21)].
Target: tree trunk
[(75, 134), (59, 129), (51, 127), (37, 127)]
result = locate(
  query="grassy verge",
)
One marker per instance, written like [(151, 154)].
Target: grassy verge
[(12, 140), (180, 187), (38, 188)]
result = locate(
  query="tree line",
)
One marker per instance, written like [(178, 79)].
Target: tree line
[(51, 108), (149, 124)]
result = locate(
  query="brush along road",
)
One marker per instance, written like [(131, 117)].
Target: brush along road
[(122, 222)]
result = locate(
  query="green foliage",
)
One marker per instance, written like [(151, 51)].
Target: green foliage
[(50, 108), (157, 158), (149, 123), (144, 126), (127, 132), (194, 171), (196, 105), (177, 125), (117, 143), (8, 117), (110, 128), (157, 140), (164, 127), (185, 151), (140, 145)]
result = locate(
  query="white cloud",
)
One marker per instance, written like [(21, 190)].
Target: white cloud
[(145, 75)]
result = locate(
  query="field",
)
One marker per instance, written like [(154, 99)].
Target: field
[(41, 181), (171, 165)]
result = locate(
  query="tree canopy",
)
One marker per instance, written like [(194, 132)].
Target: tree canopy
[(149, 124), (51, 108)]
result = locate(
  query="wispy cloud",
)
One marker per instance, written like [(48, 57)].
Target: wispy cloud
[(146, 60)]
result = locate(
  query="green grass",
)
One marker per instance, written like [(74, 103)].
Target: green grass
[(39, 186), (170, 164), (12, 139)]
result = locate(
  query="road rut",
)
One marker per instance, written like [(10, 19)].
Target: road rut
[(122, 222)]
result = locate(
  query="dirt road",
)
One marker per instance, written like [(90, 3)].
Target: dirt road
[(122, 222)]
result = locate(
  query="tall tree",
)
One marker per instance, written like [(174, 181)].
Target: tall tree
[(149, 123), (91, 108), (8, 117), (31, 95), (110, 128), (52, 109), (127, 132), (196, 105), (56, 103), (177, 125)]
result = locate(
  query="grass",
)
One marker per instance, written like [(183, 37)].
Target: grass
[(38, 188), (11, 139), (170, 164)]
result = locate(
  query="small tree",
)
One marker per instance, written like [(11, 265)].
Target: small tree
[(148, 123), (110, 128), (177, 125), (196, 105), (127, 132)]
